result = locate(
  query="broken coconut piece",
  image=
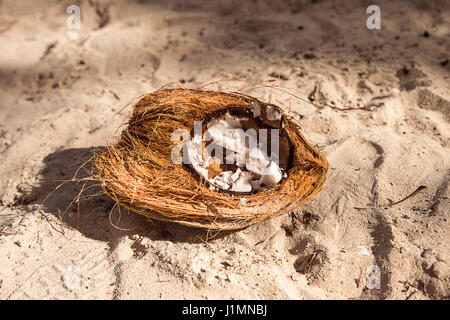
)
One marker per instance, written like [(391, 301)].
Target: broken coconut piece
[(237, 140), (242, 183), (223, 180), (271, 175)]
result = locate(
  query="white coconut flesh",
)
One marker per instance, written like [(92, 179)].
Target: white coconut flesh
[(245, 167)]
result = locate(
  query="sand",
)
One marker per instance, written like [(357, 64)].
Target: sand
[(63, 94)]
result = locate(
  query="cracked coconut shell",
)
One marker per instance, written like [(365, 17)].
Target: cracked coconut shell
[(138, 171)]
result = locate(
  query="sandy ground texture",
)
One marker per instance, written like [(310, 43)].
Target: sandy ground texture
[(386, 133)]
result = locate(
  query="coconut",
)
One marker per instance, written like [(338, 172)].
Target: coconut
[(210, 159)]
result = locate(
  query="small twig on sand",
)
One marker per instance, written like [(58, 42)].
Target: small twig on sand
[(409, 196), (311, 260), (391, 204), (411, 295)]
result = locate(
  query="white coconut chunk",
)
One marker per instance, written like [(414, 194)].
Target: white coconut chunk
[(256, 110), (215, 133), (220, 183), (195, 157), (226, 176), (236, 175), (273, 114), (241, 187), (223, 180), (257, 161), (254, 167), (255, 152), (240, 160), (271, 174), (228, 138), (242, 184)]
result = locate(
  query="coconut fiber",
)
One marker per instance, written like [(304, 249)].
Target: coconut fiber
[(138, 172)]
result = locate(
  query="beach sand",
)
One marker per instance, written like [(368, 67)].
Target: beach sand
[(65, 92)]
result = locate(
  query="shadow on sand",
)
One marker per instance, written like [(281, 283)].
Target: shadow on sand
[(93, 215)]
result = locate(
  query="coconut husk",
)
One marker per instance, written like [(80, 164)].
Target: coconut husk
[(138, 172)]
